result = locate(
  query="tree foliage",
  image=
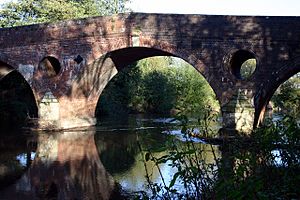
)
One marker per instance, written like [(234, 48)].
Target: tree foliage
[(157, 85), (287, 96), (24, 12), (248, 67)]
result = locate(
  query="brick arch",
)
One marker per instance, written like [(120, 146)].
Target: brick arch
[(167, 49), (158, 45), (286, 70), (107, 66), (11, 78), (189, 56)]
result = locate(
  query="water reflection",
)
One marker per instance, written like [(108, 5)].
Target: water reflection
[(15, 158), (66, 166), (87, 164), (120, 154), (92, 164)]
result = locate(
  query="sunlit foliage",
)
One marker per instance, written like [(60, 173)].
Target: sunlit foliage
[(24, 12), (248, 67), (287, 96), (160, 85)]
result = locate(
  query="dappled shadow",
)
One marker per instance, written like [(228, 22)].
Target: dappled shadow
[(209, 42), (206, 42), (96, 75)]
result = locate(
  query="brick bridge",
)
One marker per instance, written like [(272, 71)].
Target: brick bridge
[(67, 64)]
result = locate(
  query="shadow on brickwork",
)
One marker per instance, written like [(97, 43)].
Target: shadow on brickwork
[(206, 42)]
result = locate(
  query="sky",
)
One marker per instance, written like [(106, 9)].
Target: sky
[(217, 7)]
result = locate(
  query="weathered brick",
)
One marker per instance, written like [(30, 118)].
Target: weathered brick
[(206, 42)]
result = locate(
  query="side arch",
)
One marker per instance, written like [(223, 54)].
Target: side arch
[(17, 100), (268, 88)]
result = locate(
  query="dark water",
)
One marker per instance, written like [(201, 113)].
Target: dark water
[(103, 162)]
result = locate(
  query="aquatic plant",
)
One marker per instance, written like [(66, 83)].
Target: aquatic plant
[(265, 165)]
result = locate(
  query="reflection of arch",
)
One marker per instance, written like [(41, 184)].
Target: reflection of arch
[(264, 95), (13, 146), (121, 58), (66, 166), (17, 101)]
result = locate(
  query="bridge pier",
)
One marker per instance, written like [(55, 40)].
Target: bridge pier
[(238, 113), (64, 113), (66, 123)]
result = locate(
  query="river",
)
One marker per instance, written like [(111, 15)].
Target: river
[(102, 162)]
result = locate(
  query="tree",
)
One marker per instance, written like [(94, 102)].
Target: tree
[(287, 97), (24, 12), (159, 85)]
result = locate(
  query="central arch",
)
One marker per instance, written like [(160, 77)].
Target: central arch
[(106, 67)]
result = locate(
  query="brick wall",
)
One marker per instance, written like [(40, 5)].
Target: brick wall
[(206, 42)]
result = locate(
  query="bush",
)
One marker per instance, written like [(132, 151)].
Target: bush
[(263, 166)]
